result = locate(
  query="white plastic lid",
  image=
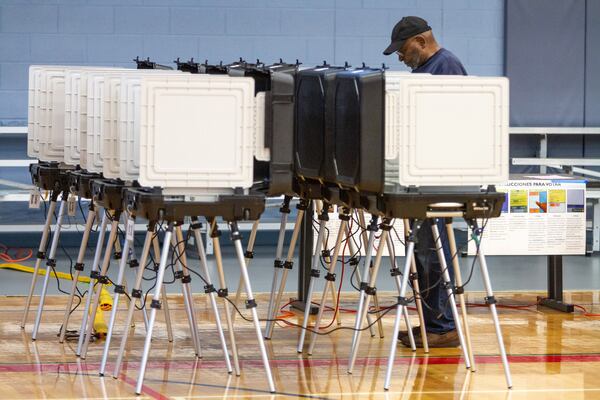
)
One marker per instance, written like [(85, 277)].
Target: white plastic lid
[(196, 133), (453, 131)]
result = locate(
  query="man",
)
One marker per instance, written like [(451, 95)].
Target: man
[(416, 47)]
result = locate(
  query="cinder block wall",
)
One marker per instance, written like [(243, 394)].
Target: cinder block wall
[(112, 32)]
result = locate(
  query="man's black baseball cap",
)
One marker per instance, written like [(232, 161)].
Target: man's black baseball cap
[(405, 29)]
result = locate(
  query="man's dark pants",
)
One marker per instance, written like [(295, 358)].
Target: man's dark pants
[(436, 310)]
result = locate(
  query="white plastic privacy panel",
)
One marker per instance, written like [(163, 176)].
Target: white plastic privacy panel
[(128, 124), (453, 131), (110, 135), (72, 114), (51, 137), (196, 133), (83, 86), (33, 98), (39, 119), (95, 121), (392, 121), (261, 152), (129, 127)]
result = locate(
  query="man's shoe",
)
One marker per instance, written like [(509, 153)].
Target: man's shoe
[(447, 339), (404, 334)]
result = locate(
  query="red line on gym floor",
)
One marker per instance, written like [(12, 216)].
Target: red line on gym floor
[(145, 389), (301, 362)]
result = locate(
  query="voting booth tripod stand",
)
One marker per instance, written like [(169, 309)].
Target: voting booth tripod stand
[(278, 285), (232, 208), (106, 198), (438, 210), (51, 177), (344, 217)]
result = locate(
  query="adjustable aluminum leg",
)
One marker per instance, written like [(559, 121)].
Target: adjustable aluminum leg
[(155, 305), (361, 219), (119, 289), (78, 268), (187, 291), (236, 237), (136, 294), (93, 272), (449, 290), (275, 301), (223, 292), (210, 290), (369, 290), (248, 255), (417, 292), (372, 228), (40, 256), (278, 263), (344, 217), (102, 279), (461, 294), (490, 299), (354, 264), (314, 273), (395, 272), (165, 305), (50, 264), (402, 302)]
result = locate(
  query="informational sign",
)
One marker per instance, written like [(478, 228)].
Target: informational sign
[(539, 217), (333, 226)]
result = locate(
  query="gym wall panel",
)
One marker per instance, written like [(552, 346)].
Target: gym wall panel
[(545, 48), (112, 32)]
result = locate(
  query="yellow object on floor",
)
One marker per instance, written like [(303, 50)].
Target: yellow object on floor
[(105, 304), (42, 271)]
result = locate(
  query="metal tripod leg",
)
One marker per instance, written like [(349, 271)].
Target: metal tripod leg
[(187, 291), (78, 268), (417, 292), (155, 305), (327, 259), (344, 217), (50, 264), (248, 255), (395, 272), (222, 292), (136, 294), (460, 292), (210, 289), (119, 289), (490, 299), (40, 256), (102, 279), (369, 290), (402, 302), (314, 273), (156, 250), (361, 219), (372, 228), (93, 272), (287, 267), (354, 264), (278, 263), (236, 237), (449, 290)]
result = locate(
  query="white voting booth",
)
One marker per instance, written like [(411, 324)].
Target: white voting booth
[(443, 131), (187, 122), (446, 130)]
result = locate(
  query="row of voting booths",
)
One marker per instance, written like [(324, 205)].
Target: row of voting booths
[(211, 142)]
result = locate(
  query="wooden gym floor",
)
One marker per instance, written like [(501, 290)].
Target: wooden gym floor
[(552, 355)]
